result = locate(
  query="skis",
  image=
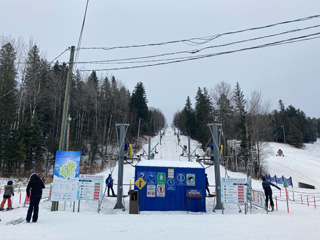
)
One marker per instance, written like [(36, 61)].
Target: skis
[(15, 221), (3, 210), (12, 209), (267, 210)]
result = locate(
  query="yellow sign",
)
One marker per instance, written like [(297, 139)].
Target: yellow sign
[(140, 183)]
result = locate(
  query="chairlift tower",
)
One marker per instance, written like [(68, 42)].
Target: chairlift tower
[(216, 153), (123, 130)]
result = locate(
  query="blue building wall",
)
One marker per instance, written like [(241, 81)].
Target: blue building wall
[(177, 183)]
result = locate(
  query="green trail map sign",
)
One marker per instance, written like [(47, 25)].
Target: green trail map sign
[(66, 176)]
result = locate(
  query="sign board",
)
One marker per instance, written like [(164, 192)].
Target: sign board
[(66, 176), (140, 183), (194, 193), (151, 178), (170, 173), (161, 178), (161, 190), (181, 179), (234, 190), (191, 179), (90, 187), (171, 184), (142, 175), (151, 190)]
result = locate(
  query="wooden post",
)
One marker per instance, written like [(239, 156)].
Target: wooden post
[(55, 204)]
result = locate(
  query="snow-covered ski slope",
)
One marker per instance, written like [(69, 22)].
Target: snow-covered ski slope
[(302, 164), (301, 223)]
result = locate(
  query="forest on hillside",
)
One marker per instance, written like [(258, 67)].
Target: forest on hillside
[(32, 94), (246, 125)]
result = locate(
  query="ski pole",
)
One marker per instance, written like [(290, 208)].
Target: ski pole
[(301, 200), (308, 200), (315, 203)]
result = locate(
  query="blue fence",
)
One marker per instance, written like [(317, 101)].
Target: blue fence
[(280, 180)]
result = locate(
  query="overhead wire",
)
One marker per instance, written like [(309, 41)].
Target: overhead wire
[(184, 59), (205, 39), (128, 60)]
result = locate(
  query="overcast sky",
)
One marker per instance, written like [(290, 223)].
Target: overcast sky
[(290, 72)]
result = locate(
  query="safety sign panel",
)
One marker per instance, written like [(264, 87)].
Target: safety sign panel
[(151, 190), (171, 184), (161, 190), (191, 179), (170, 173), (161, 178), (181, 179), (142, 175), (151, 178), (140, 183)]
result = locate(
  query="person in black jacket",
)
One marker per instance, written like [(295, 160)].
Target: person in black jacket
[(268, 191), (34, 189)]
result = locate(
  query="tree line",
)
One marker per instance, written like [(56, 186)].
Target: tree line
[(246, 125), (31, 105)]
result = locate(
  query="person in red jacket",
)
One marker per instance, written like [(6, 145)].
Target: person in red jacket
[(34, 189), (8, 191)]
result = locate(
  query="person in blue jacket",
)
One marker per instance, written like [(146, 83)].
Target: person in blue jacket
[(109, 182), (268, 191), (34, 188)]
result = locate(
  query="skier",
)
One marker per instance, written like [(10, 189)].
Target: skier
[(268, 192), (109, 182), (280, 153), (34, 188), (8, 191)]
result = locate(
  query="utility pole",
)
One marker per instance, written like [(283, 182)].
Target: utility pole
[(216, 153), (123, 131), (55, 204)]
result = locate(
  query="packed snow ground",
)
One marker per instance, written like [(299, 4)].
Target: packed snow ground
[(303, 222)]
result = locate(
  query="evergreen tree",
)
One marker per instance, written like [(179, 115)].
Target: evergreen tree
[(8, 102), (241, 127), (203, 115), (189, 118), (32, 84), (139, 109)]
